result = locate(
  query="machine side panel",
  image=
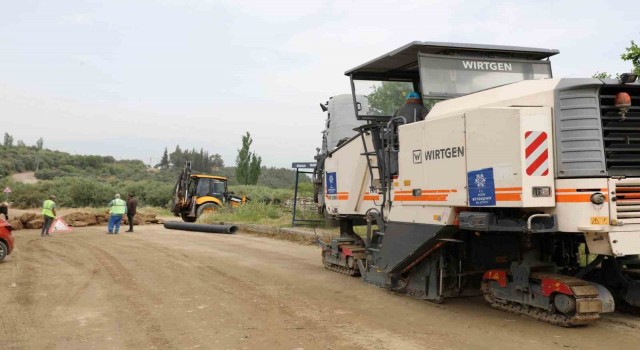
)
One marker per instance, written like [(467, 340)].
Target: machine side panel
[(504, 169), (537, 151), (494, 159), (578, 130), (405, 242), (347, 179), (432, 166), (574, 209)]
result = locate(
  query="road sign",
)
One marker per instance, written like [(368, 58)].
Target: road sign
[(303, 165), (7, 190)]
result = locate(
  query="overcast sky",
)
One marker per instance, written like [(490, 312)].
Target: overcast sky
[(130, 77)]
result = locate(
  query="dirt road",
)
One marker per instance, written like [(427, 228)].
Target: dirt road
[(162, 289)]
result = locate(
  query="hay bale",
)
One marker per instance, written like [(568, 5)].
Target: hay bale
[(34, 224), (16, 224), (83, 216), (26, 217)]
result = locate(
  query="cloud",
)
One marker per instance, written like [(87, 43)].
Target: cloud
[(79, 18)]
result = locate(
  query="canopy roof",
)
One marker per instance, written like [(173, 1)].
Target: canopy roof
[(403, 62)]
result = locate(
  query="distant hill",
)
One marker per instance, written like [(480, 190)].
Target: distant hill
[(49, 164)]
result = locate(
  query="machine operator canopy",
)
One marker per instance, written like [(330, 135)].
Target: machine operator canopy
[(443, 70)]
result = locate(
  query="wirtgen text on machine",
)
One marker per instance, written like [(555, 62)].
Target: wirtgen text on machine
[(495, 66), (444, 153)]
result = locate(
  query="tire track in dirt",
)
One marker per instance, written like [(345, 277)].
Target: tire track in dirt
[(132, 293), (300, 308), (19, 309)]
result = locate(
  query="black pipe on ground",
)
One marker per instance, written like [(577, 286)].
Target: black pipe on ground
[(185, 226)]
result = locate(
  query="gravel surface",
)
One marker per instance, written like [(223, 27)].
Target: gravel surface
[(168, 289)]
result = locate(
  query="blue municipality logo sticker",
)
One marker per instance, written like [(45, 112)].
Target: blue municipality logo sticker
[(332, 183), (482, 190)]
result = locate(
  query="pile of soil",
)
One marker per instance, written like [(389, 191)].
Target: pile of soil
[(79, 219)]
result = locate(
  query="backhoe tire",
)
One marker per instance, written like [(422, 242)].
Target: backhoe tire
[(207, 208), (187, 218)]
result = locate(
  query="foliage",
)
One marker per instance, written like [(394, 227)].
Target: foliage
[(247, 163), (90, 180), (201, 161), (388, 97), (8, 140), (601, 75), (77, 192), (164, 161), (262, 194), (632, 54), (252, 212)]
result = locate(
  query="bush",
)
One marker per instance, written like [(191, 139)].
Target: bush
[(263, 194), (252, 212)]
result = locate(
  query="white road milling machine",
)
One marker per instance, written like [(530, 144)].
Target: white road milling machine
[(340, 126), (516, 186)]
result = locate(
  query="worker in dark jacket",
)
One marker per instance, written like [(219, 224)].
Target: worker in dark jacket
[(132, 204), (4, 209), (413, 110)]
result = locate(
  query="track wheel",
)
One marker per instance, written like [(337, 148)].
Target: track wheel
[(564, 303)]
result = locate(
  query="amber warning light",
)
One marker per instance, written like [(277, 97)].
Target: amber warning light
[(622, 102)]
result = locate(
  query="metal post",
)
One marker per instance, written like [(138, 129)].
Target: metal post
[(298, 166), (295, 199)]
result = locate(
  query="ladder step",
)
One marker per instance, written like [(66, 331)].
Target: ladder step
[(368, 154)]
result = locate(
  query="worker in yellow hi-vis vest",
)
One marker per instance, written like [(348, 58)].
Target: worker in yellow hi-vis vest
[(48, 214), (117, 208)]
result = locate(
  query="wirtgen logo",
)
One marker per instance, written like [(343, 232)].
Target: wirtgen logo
[(435, 154), (417, 156)]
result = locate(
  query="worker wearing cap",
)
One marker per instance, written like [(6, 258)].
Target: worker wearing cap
[(117, 208), (48, 213), (413, 110)]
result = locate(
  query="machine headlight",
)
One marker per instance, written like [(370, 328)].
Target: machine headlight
[(628, 78), (598, 198)]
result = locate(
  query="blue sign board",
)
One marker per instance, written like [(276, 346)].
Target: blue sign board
[(332, 183), (482, 189)]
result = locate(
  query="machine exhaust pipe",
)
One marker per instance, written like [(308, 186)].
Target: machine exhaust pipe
[(176, 225)]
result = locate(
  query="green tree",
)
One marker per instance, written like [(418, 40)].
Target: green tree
[(21, 143), (39, 143), (8, 140), (216, 162), (247, 163), (388, 97), (601, 75), (177, 158), (632, 54), (164, 161), (254, 169)]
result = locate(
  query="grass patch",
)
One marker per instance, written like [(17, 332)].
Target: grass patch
[(258, 213), (250, 213)]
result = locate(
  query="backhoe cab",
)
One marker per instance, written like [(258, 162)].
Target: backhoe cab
[(197, 194)]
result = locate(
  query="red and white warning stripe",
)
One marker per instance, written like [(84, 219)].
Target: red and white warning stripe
[(536, 153)]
